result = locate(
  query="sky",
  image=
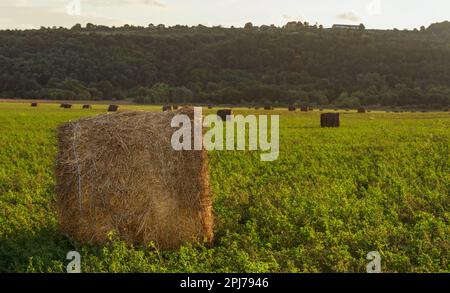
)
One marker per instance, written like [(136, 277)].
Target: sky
[(376, 14)]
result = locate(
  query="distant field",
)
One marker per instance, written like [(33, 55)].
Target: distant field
[(378, 183)]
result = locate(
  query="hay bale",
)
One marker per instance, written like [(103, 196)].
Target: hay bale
[(34, 104), (268, 108), (329, 120), (113, 108), (361, 110), (120, 173), (304, 108), (292, 108), (87, 106), (224, 114), (66, 106), (167, 108)]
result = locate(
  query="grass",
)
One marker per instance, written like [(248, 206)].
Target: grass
[(378, 183)]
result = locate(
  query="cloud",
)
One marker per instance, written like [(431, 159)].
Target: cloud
[(24, 15), (28, 14), (350, 16), (126, 2)]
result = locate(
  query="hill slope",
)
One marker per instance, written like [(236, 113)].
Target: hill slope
[(218, 65)]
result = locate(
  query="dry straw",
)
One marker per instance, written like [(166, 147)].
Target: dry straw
[(119, 172)]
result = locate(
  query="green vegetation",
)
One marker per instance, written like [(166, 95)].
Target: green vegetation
[(380, 182), (298, 63)]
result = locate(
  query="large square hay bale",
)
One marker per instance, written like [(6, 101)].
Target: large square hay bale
[(119, 173), (330, 120)]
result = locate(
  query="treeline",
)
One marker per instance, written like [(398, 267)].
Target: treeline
[(295, 64)]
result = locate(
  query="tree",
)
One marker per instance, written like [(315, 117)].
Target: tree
[(248, 26), (199, 64), (77, 27)]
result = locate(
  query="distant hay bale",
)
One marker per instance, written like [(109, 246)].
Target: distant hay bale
[(330, 120), (87, 106), (268, 108), (119, 173), (224, 114), (34, 104), (113, 108), (361, 110), (167, 108), (210, 107), (304, 108), (256, 108), (292, 108), (321, 110), (66, 106)]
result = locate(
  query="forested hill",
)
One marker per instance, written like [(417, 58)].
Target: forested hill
[(294, 64)]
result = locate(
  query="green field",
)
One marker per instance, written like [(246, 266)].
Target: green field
[(378, 183)]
